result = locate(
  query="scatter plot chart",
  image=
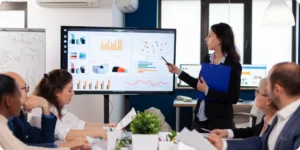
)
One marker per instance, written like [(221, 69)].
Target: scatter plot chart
[(154, 47)]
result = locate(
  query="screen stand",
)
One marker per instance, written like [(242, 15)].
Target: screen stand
[(127, 102), (106, 108)]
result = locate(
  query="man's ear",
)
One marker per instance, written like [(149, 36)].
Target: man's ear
[(278, 90), (7, 100)]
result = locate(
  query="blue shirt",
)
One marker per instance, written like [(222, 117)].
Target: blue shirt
[(11, 124)]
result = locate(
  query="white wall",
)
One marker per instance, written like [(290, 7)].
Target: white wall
[(86, 107), (117, 101)]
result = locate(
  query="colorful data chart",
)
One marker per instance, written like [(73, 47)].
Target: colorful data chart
[(96, 85), (111, 45), (146, 66)]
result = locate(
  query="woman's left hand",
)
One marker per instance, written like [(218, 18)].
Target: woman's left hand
[(202, 86)]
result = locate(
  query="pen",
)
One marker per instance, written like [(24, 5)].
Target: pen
[(166, 137), (205, 130), (167, 63)]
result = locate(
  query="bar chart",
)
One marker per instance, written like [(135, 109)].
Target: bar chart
[(105, 85), (93, 85), (111, 45), (146, 66)]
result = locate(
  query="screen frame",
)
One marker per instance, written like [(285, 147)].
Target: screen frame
[(64, 57), (252, 87)]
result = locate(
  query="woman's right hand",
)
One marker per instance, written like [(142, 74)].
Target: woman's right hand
[(220, 133), (173, 69)]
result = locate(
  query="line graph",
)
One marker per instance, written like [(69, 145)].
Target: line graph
[(146, 84), (149, 82)]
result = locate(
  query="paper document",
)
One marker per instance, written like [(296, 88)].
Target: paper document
[(92, 143), (113, 138), (194, 139), (127, 119), (182, 146)]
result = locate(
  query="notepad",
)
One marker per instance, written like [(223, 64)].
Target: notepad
[(195, 140), (127, 119), (216, 77)]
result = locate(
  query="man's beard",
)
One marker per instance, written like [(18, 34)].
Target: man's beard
[(275, 100)]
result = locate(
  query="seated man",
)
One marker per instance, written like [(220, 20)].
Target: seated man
[(10, 105), (22, 129), (33, 136)]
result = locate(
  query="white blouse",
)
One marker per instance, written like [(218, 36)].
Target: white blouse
[(63, 125)]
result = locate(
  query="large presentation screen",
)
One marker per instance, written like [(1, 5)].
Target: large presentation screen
[(118, 60)]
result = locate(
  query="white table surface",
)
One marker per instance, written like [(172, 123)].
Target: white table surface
[(102, 144)]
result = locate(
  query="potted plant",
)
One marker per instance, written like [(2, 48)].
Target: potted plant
[(145, 127), (169, 144), (172, 136), (123, 144)]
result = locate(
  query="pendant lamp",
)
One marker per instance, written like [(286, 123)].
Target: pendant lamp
[(278, 14)]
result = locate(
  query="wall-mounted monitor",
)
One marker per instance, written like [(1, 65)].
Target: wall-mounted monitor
[(118, 60), (252, 74), (192, 69)]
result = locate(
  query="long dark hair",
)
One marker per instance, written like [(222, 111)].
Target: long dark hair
[(54, 81), (224, 33)]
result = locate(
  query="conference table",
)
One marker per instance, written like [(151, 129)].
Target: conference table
[(102, 144)]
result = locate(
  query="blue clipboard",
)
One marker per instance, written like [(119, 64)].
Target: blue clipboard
[(216, 77)]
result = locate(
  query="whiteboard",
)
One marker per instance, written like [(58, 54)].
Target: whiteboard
[(24, 51)]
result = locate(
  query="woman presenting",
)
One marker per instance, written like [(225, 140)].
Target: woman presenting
[(218, 112)]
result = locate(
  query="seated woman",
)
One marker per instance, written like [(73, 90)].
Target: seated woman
[(263, 103), (57, 88)]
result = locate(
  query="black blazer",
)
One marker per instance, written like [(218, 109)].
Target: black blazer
[(221, 107), (249, 132)]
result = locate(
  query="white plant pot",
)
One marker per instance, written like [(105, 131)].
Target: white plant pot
[(166, 145), (144, 141), (124, 148)]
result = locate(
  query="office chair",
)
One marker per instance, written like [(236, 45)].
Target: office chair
[(250, 116)]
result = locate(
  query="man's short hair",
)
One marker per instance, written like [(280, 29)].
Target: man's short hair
[(287, 75), (7, 85)]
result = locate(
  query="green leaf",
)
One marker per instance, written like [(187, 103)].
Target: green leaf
[(124, 142), (145, 123)]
